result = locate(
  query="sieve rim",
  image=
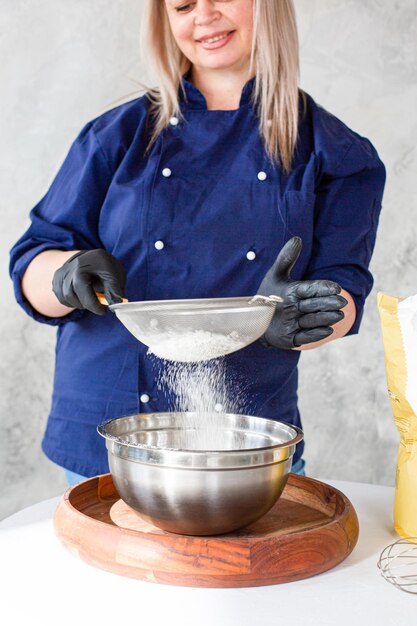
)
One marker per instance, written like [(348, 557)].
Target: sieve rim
[(194, 306)]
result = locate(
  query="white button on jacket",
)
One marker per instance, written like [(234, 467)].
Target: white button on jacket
[(262, 175), (251, 255), (159, 245), (174, 121), (144, 398), (166, 172)]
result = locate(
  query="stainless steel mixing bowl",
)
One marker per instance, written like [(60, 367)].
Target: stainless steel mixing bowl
[(199, 473)]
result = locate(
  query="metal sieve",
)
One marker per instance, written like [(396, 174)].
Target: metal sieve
[(197, 330)]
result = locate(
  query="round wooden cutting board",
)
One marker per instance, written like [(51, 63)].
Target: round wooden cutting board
[(311, 528)]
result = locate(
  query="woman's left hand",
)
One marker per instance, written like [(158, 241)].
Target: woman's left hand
[(310, 307)]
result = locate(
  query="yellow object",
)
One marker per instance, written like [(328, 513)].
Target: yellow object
[(399, 332), (102, 298)]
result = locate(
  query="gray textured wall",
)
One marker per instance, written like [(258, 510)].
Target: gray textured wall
[(66, 61)]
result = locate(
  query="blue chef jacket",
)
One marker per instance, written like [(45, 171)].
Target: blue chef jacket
[(209, 195)]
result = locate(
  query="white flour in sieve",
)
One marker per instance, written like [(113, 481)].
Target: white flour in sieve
[(195, 345)]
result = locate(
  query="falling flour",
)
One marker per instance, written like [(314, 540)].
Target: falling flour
[(202, 389), (193, 381)]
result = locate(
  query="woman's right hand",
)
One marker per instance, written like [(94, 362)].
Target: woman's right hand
[(76, 282)]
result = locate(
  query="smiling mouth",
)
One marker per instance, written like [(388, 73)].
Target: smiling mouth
[(216, 38)]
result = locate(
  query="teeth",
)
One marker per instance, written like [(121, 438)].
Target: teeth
[(213, 39)]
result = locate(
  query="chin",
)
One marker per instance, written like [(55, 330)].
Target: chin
[(218, 64)]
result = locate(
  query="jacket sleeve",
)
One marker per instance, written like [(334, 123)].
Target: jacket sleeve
[(348, 204), (67, 217)]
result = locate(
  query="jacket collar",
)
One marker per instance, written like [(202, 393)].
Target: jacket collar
[(194, 99)]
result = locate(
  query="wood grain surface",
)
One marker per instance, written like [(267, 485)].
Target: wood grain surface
[(312, 528)]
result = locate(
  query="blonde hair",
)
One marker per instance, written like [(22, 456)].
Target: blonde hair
[(275, 58)]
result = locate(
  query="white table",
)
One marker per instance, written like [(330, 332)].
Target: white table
[(44, 584)]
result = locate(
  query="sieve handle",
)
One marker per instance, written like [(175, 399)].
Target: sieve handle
[(102, 298)]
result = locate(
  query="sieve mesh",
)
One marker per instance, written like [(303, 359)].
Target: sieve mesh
[(197, 330)]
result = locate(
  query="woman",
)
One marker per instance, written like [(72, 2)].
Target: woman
[(192, 191)]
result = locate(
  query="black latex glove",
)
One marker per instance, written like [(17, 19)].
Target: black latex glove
[(310, 307), (88, 271)]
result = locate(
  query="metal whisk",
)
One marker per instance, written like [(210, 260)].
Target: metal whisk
[(398, 564)]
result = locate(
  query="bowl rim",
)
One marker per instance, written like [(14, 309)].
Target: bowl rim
[(297, 438)]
